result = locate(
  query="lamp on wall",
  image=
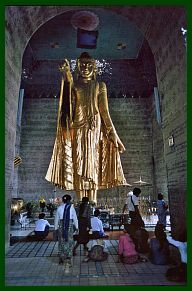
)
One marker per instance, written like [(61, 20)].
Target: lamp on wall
[(171, 141), (17, 161)]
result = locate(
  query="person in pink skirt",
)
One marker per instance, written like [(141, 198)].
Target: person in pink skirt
[(126, 247)]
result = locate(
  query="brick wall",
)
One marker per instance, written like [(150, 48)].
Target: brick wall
[(131, 119), (170, 59)]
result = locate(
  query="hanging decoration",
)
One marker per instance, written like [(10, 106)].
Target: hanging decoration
[(140, 182)]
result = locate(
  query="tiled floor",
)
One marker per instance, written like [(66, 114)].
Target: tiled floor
[(36, 264)]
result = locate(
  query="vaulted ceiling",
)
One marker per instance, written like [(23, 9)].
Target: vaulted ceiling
[(119, 40), (57, 39)]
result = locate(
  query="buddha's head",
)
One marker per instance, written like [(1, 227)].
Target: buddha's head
[(86, 67)]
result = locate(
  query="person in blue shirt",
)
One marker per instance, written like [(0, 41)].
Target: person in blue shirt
[(161, 210), (159, 247)]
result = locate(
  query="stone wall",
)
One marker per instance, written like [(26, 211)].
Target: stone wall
[(159, 166), (132, 122), (170, 59), (37, 139), (20, 23), (12, 84)]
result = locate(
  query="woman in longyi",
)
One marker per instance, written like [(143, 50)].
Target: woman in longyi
[(86, 151)]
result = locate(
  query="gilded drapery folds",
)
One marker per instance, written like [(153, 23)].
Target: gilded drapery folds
[(84, 154)]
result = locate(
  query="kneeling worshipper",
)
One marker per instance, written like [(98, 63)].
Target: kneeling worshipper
[(97, 251)]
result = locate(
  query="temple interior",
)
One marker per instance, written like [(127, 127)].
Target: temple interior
[(140, 53)]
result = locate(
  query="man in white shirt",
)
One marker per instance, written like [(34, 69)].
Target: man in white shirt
[(132, 204), (41, 227), (65, 222), (125, 207), (59, 216)]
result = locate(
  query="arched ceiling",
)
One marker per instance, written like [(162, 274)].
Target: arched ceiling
[(119, 42), (57, 38)]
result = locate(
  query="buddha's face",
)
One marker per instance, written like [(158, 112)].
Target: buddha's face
[(86, 69)]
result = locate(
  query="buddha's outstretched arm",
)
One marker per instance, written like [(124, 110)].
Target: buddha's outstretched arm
[(65, 94), (104, 111)]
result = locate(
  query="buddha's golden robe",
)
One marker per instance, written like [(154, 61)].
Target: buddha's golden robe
[(83, 156)]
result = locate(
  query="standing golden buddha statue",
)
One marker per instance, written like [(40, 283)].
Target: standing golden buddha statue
[(86, 151)]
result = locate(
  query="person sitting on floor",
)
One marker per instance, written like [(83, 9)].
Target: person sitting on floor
[(41, 227), (126, 247), (96, 225), (141, 237), (97, 251), (159, 247)]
